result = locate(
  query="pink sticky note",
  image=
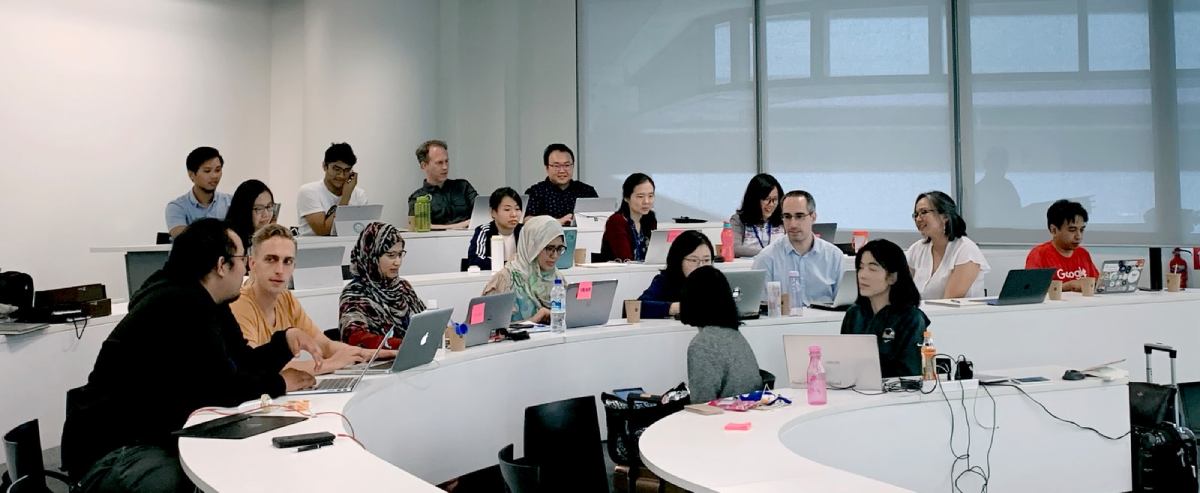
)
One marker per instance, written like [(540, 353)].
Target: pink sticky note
[(585, 291), (737, 426), (477, 314), (672, 234)]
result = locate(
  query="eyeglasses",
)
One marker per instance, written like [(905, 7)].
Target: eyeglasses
[(922, 212), (770, 200), (560, 167), (698, 261), (799, 216), (395, 255), (263, 209), (339, 170), (555, 250)]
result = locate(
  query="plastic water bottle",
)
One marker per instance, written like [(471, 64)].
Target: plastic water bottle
[(817, 391), (727, 243), (797, 301), (928, 358), (558, 307)]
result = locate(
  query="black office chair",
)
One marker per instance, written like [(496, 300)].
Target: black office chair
[(519, 475), (768, 379), (23, 452), (563, 439)]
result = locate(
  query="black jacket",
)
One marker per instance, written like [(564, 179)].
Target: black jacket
[(174, 352)]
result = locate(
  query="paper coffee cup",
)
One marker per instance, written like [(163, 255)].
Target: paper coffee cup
[(581, 256), (1088, 286), (633, 311), (1055, 291), (1174, 280)]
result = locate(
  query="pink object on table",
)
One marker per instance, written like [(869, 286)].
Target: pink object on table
[(737, 426)]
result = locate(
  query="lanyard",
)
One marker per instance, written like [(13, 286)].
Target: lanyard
[(638, 240), (760, 242)]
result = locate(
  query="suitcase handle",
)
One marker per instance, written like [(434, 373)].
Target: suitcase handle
[(1150, 347)]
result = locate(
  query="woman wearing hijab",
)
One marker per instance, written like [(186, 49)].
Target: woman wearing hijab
[(532, 272), (376, 299)]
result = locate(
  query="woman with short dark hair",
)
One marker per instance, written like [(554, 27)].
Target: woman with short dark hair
[(719, 359), (888, 307), (759, 221), (690, 251), (506, 222), (945, 263)]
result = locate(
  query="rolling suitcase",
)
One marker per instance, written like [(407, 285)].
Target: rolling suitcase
[(1163, 447)]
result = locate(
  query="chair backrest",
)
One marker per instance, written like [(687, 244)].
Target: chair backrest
[(768, 379), (563, 439), (23, 452), (519, 476)]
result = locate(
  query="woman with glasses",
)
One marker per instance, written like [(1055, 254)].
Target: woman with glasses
[(888, 307), (944, 262), (720, 362), (252, 207), (531, 273), (627, 232), (758, 222), (376, 299), (690, 251)]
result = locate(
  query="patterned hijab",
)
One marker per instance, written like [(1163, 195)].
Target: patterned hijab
[(384, 301), (531, 284)]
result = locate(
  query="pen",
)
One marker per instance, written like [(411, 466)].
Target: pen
[(314, 446)]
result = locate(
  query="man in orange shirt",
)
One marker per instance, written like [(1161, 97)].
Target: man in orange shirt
[(1071, 262), (267, 306)]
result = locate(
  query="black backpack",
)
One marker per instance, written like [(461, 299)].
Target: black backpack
[(16, 288)]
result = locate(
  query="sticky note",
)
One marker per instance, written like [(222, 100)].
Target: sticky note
[(672, 234), (585, 291), (737, 426), (477, 314)]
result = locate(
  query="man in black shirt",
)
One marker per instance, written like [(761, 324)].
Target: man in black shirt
[(555, 196), (178, 349), (451, 200)]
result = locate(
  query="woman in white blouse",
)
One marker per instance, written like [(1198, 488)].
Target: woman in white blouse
[(944, 263)]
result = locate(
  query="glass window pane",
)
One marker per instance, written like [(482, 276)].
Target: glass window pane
[(890, 41), (862, 146), (790, 51), (1187, 34), (1024, 37), (652, 99), (1118, 35)]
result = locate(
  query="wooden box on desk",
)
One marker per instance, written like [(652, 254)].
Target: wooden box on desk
[(647, 482)]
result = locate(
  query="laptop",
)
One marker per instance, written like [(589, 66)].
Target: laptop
[(596, 204), (589, 302), (19, 328), (486, 314), (825, 231), (237, 426), (482, 212), (318, 267), (421, 342), (1023, 287), (748, 287), (567, 259), (1120, 276), (849, 360), (846, 295), (351, 219), (656, 251)]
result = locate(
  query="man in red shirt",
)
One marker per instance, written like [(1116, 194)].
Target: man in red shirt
[(1063, 252)]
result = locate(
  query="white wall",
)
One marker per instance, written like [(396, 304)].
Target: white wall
[(100, 104)]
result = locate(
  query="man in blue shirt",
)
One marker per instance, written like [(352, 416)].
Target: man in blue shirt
[(818, 262), (204, 166)]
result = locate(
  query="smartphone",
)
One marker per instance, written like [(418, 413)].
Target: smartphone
[(1024, 380), (624, 393)]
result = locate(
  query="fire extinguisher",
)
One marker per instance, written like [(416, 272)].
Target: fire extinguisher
[(1178, 265)]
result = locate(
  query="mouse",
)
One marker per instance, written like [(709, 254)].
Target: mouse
[(1073, 375)]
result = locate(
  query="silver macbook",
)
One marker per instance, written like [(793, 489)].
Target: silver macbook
[(482, 213), (351, 219), (1120, 276), (486, 314), (319, 267), (589, 302), (599, 204), (421, 342), (19, 328), (747, 287), (850, 360), (846, 295), (656, 251), (825, 231)]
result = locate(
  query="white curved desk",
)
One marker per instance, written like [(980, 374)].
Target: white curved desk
[(451, 417), (899, 442)]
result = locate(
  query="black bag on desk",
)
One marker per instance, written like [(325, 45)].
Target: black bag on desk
[(16, 289)]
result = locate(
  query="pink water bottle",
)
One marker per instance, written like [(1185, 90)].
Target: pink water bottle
[(727, 243), (816, 377)]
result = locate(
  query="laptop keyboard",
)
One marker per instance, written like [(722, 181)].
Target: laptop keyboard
[(333, 383)]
